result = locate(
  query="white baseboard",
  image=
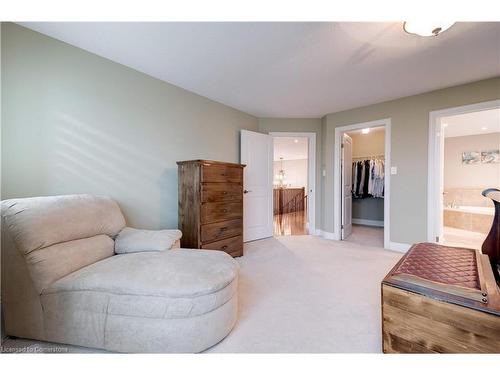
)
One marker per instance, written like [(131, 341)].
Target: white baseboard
[(371, 223), (326, 235), (394, 246), (400, 247)]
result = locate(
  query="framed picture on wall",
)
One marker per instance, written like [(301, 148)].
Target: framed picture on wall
[(490, 156), (471, 157)]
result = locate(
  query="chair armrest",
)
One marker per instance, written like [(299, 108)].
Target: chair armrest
[(131, 240)]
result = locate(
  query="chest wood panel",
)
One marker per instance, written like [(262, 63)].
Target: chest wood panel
[(221, 173), (211, 205), (220, 192), (233, 245), (218, 231), (219, 211)]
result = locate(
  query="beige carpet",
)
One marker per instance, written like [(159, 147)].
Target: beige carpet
[(299, 294), (365, 235)]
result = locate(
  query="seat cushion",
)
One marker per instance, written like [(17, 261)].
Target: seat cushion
[(163, 289), (176, 283)]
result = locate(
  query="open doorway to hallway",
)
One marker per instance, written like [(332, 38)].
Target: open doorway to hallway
[(291, 184), (470, 164)]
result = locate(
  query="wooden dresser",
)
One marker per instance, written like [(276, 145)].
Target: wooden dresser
[(211, 205)]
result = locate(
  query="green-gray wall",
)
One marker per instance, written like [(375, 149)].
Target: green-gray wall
[(409, 143), (310, 125), (73, 122)]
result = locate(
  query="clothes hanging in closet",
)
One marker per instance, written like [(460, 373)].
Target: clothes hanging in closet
[(368, 178)]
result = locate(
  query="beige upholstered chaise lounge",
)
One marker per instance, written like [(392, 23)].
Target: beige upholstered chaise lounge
[(80, 277)]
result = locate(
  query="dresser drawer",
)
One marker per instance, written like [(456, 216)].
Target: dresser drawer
[(219, 211), (223, 229), (221, 173), (217, 192), (233, 245)]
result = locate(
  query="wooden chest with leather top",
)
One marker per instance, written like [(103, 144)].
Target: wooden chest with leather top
[(441, 299)]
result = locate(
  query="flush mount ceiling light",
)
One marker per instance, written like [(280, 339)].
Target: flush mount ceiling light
[(426, 28), (484, 128), (296, 140), (365, 131)]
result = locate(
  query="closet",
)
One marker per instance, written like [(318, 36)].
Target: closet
[(363, 164), (368, 176)]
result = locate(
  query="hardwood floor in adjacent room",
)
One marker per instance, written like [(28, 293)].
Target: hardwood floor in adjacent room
[(290, 224)]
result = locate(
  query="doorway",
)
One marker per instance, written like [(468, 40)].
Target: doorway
[(466, 143), (362, 183), (293, 183)]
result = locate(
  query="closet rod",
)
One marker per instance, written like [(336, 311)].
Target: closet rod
[(369, 157)]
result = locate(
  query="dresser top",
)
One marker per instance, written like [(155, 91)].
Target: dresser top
[(210, 162)]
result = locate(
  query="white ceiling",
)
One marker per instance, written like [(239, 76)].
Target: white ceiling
[(292, 69), (288, 149), (482, 122)]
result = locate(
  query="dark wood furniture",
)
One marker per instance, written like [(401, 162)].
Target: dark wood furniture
[(211, 205), (286, 200), (440, 299), (491, 245)]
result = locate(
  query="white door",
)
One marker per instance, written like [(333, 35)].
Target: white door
[(346, 186), (257, 154)]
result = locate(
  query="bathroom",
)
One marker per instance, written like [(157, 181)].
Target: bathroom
[(471, 164)]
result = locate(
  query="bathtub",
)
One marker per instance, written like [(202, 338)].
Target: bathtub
[(473, 209), (471, 218)]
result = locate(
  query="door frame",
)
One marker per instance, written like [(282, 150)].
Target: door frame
[(337, 180), (435, 175), (342, 218), (311, 173)]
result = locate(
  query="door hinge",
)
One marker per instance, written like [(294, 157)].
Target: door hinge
[(342, 227), (342, 145)]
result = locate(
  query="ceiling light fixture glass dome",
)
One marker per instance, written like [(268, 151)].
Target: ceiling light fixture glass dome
[(426, 28)]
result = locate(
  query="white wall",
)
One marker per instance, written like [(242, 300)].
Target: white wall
[(295, 172), (458, 175)]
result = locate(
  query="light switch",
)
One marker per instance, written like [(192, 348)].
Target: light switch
[(394, 170), (324, 172)]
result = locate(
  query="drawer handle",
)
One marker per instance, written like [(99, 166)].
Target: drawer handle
[(224, 247), (224, 210), (224, 192), (223, 229)]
